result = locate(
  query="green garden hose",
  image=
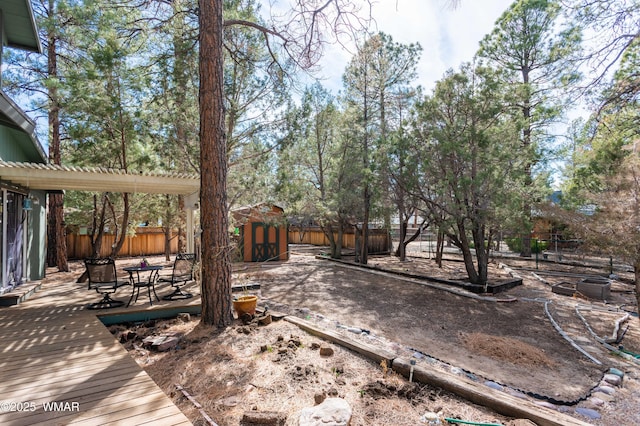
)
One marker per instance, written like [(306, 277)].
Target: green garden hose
[(465, 422)]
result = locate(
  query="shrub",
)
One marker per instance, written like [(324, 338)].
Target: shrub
[(515, 245)]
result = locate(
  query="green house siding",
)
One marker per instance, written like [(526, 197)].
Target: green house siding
[(16, 145), (37, 237)]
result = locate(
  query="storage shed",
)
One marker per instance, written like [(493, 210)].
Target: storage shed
[(262, 232)]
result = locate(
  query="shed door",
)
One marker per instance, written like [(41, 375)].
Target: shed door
[(265, 242)]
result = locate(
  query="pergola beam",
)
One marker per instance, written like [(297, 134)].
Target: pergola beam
[(49, 177)]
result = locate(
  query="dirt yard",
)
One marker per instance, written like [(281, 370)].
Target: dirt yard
[(508, 340)]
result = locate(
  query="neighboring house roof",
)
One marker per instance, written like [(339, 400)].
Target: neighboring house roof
[(22, 127), (20, 29), (262, 211), (50, 177), (264, 207)]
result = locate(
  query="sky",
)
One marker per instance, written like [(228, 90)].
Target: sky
[(448, 36)]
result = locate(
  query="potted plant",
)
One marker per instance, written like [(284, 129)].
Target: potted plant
[(245, 304)]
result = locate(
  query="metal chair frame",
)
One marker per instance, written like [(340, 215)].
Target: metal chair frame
[(181, 274), (104, 279)]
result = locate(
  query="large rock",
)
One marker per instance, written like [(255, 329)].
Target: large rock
[(332, 412), (161, 343), (603, 396), (167, 343), (613, 379), (588, 412)]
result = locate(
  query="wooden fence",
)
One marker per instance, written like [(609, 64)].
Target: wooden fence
[(378, 238), (147, 241)]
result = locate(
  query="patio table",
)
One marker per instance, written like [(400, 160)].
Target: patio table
[(138, 283)]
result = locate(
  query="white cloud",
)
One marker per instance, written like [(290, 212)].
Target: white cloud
[(448, 36)]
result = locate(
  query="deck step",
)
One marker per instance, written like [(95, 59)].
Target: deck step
[(20, 294)]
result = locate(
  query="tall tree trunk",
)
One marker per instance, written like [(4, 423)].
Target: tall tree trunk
[(469, 266), (401, 251), (333, 245), (357, 237), (386, 179), (122, 234), (404, 242), (528, 180), (364, 244), (439, 248), (216, 261), (166, 227), (56, 238), (338, 253), (463, 244), (366, 193), (482, 258), (97, 228), (182, 225), (166, 230), (182, 48)]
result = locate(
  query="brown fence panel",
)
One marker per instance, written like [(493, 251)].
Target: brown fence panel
[(76, 245), (318, 238), (378, 238), (348, 240), (146, 242), (299, 237), (379, 243)]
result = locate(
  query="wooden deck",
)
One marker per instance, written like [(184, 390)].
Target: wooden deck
[(60, 365)]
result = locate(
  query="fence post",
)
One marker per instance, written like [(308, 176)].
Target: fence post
[(610, 265)]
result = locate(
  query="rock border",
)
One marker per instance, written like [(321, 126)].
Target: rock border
[(501, 402), (490, 288)]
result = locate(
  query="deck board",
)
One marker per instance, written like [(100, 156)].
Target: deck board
[(54, 349)]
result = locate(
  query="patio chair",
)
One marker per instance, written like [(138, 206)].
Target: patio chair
[(181, 274), (103, 278)]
